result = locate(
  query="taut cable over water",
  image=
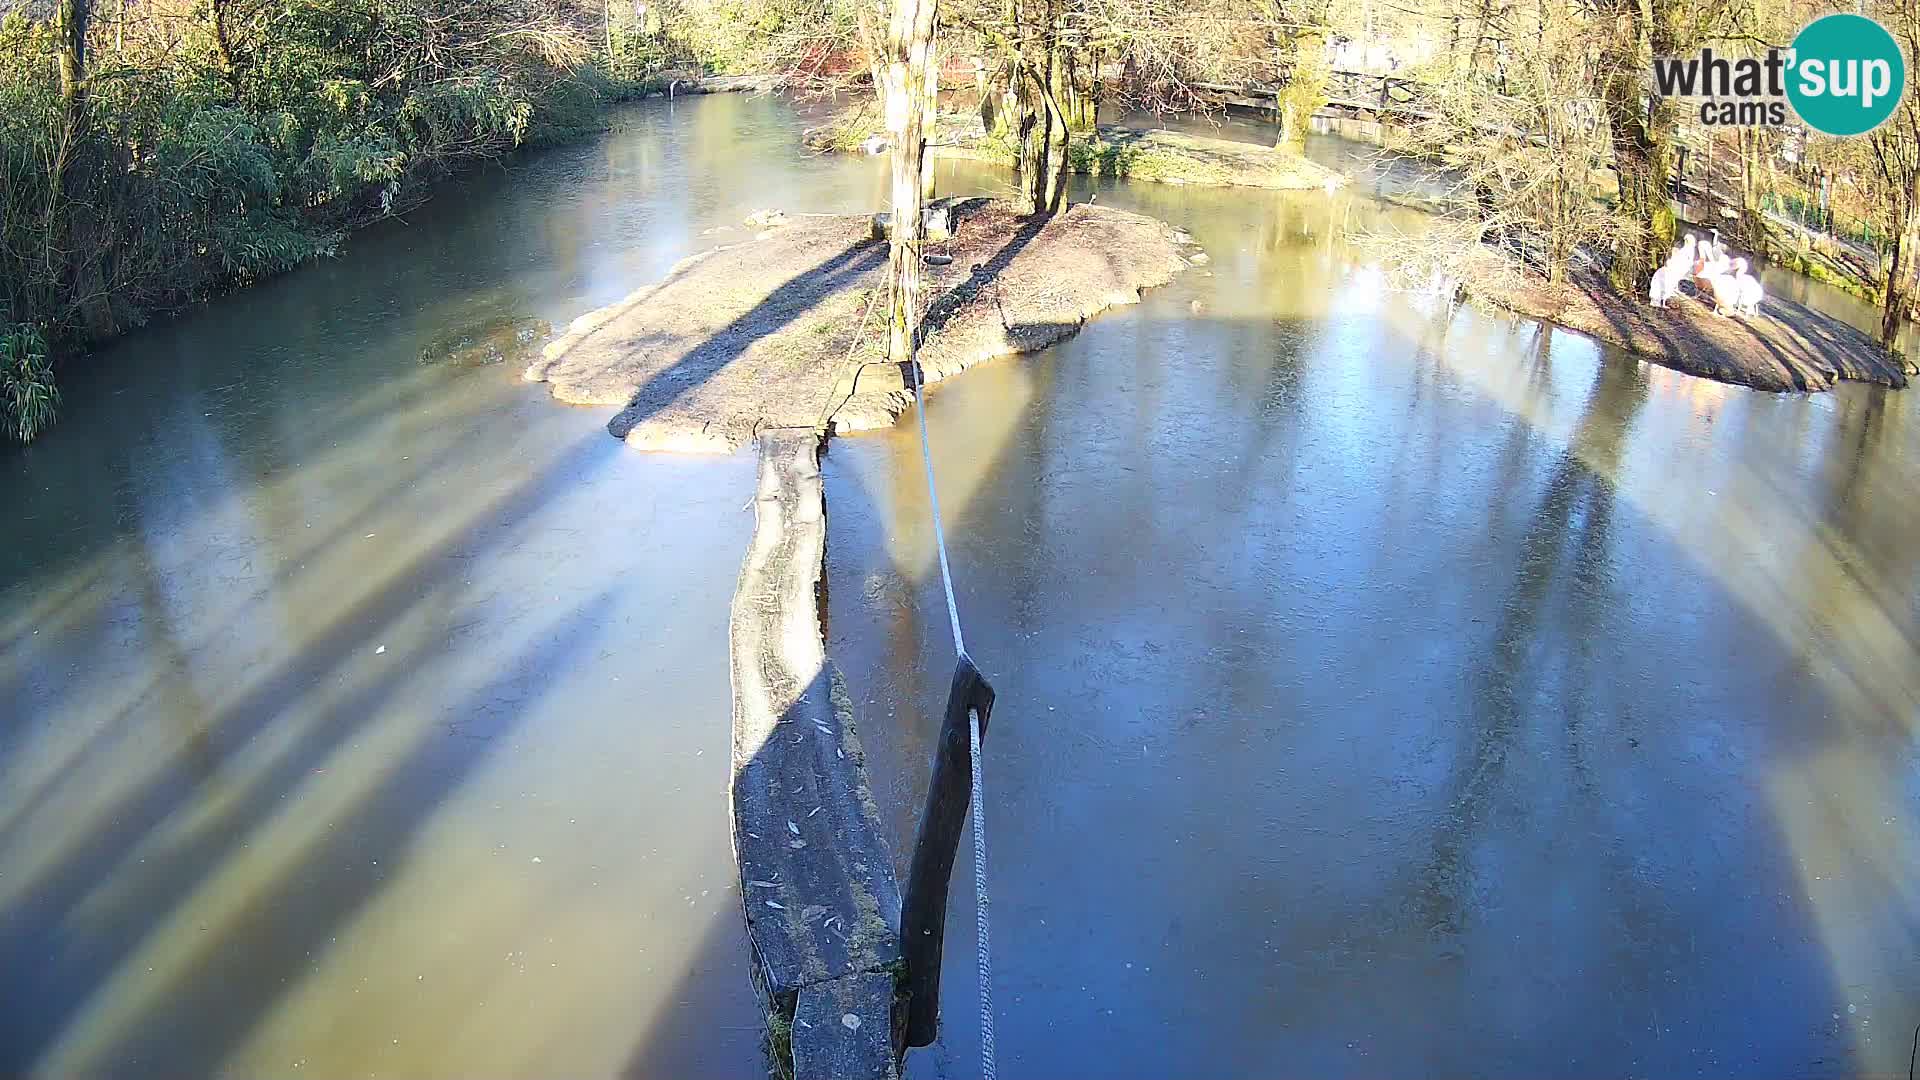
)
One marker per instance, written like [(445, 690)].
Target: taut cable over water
[(923, 914)]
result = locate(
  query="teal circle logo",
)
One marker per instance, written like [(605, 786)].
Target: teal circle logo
[(1845, 75)]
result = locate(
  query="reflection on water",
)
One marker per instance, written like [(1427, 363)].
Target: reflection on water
[(360, 715), (1384, 692)]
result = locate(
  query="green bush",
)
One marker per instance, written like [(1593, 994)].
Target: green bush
[(741, 37), (197, 169), (28, 396), (574, 107), (637, 51), (1098, 157)]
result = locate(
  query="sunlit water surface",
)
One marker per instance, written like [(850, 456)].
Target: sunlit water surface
[(1383, 692), (365, 715)]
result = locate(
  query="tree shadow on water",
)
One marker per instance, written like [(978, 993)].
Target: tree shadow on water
[(713, 1025), (60, 970), (1545, 748), (248, 964), (715, 1021)]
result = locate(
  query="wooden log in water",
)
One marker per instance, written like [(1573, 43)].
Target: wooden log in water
[(923, 915), (816, 879)]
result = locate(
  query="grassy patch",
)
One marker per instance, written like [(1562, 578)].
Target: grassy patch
[(780, 1045), (1098, 157), (1824, 270)]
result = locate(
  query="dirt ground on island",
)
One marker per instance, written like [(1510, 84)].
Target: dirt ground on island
[(788, 329), (1788, 347)]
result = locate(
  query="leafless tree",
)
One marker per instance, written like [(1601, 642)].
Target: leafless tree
[(1895, 147), (909, 98), (1524, 144)]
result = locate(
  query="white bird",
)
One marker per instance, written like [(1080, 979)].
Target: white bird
[(1661, 288), (1664, 286), (1712, 249), (1710, 266), (1746, 290), (875, 144), (1666, 280), (1719, 277)]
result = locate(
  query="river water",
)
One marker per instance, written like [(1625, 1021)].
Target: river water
[(1382, 693), (366, 715)]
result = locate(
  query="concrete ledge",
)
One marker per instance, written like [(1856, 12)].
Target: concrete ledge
[(816, 880)]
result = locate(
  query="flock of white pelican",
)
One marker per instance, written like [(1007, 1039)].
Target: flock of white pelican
[(1735, 291)]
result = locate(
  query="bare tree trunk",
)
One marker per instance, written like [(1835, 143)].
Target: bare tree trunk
[(1560, 130), (1890, 310), (70, 22), (909, 50), (1641, 163), (1053, 190), (1306, 91), (932, 88), (1559, 248), (1038, 71), (875, 46), (1904, 240), (1031, 164), (1079, 93), (71, 27), (1753, 230), (223, 45)]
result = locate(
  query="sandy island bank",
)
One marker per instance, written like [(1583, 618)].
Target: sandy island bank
[(767, 333), (1790, 347)]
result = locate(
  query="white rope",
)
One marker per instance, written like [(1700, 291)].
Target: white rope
[(933, 500), (982, 932)]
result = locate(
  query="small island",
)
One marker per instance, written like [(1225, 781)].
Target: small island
[(1787, 347), (782, 331)]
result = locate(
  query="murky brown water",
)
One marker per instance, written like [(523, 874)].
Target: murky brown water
[(1384, 694), (1380, 694), (365, 711)]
